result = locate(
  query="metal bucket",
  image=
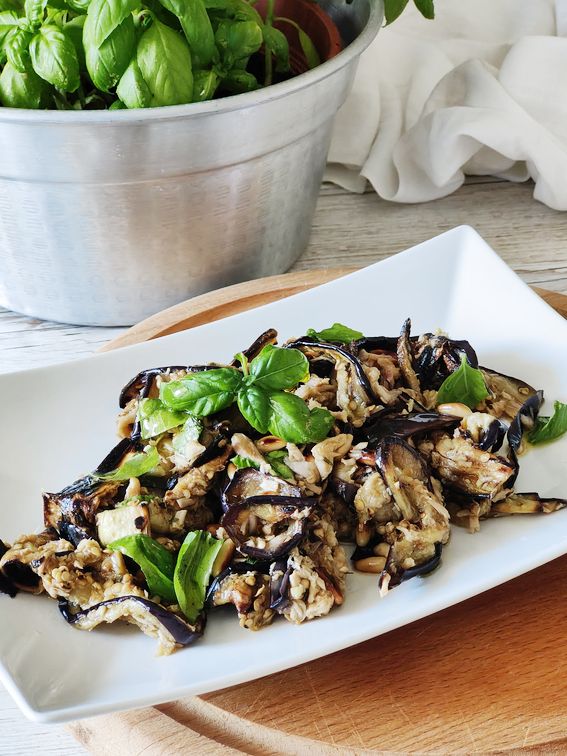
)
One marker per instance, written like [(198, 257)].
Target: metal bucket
[(108, 217)]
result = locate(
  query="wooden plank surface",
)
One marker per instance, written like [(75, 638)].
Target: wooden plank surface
[(348, 230)]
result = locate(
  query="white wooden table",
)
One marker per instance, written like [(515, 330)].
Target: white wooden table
[(348, 230)]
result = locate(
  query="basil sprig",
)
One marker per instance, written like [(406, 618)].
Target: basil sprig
[(274, 459), (155, 561), (260, 392), (465, 385), (336, 334), (550, 428), (183, 579), (135, 466), (192, 574)]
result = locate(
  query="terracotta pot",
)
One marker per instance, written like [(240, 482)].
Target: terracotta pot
[(317, 24)]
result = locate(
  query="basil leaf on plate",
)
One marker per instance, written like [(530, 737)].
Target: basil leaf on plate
[(550, 428), (465, 385), (319, 424), (254, 404), (275, 460), (336, 334), (54, 58), (277, 368), (155, 561), (204, 393), (191, 431), (241, 462), (135, 466), (156, 418), (193, 571)]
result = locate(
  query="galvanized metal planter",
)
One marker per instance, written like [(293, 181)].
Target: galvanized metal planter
[(108, 217)]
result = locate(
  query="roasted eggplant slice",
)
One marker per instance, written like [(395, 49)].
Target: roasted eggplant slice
[(153, 619), (524, 421), (267, 527), (526, 503), (507, 394), (435, 357), (465, 467), (6, 586), (424, 521), (486, 431), (404, 352), (251, 482), (264, 339), (389, 423), (248, 590), (77, 505)]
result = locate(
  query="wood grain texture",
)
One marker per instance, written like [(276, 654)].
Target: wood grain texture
[(485, 676)]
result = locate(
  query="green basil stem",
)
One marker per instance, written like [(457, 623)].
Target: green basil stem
[(268, 72)]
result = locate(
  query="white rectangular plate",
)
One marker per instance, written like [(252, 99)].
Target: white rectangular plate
[(58, 423)]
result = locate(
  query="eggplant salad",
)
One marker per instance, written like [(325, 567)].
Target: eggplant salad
[(238, 484)]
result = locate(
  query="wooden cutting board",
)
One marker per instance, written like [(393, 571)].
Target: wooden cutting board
[(485, 676)]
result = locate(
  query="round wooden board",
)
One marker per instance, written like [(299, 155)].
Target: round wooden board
[(485, 676)]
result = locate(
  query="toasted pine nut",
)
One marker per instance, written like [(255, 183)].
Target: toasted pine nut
[(382, 549), (362, 535), (230, 470), (270, 443), (454, 408), (133, 488), (373, 564)]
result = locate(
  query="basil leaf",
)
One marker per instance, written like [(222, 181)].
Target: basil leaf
[(165, 62), (426, 8), (33, 10), (191, 431), (9, 19), (254, 404), (16, 47), (109, 39), (393, 9), (134, 466), (205, 84), (289, 417), (107, 63), (21, 90), (276, 43), (337, 333), (275, 460), (309, 49), (155, 561), (197, 28), (193, 571), (54, 58), (74, 29), (237, 40), (155, 418), (550, 428), (132, 88), (204, 393), (465, 385), (104, 17), (241, 462), (237, 82), (276, 368), (320, 423)]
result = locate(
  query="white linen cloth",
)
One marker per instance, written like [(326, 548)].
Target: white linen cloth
[(480, 90)]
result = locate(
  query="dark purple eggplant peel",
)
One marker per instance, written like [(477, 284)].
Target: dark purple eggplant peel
[(401, 462)]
